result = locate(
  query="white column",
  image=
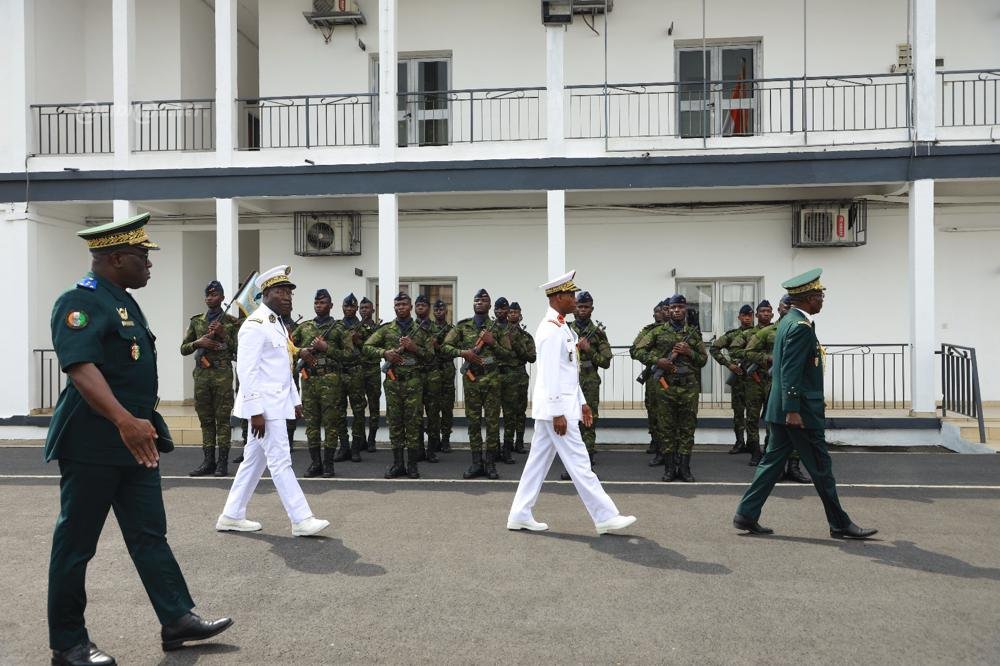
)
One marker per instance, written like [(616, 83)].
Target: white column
[(123, 69), (557, 232), (14, 111), (225, 80), (924, 44), (388, 253), (555, 40), (387, 83), (921, 296), (122, 209), (227, 244), (17, 250)]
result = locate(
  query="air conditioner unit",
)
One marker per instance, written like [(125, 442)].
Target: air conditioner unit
[(592, 6), (327, 234), (830, 224)]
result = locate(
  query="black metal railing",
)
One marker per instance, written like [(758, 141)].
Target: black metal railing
[(51, 378), (969, 98), (307, 121), (173, 124), (72, 129), (960, 384), (442, 117)]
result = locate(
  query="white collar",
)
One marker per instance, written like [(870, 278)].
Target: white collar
[(804, 314)]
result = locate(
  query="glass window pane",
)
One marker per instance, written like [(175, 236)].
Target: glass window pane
[(699, 298), (445, 292), (434, 132)]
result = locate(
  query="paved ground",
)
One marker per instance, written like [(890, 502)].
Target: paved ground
[(423, 572)]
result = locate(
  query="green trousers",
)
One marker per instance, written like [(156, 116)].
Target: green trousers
[(213, 403), (446, 398), (811, 445), (86, 493), (320, 408), (482, 403), (510, 401), (590, 384), (372, 379)]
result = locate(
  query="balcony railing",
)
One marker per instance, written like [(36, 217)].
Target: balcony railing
[(969, 98), (72, 129), (307, 121), (442, 117), (173, 124)]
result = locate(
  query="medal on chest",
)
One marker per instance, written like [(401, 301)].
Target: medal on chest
[(134, 350)]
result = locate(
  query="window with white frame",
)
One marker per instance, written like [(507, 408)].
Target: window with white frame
[(716, 95)]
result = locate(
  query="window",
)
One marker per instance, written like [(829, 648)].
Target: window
[(433, 288), (423, 107), (716, 95)]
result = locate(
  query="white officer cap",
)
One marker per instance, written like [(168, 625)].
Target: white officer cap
[(274, 277), (561, 284)]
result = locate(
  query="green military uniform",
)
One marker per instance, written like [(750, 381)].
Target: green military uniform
[(99, 322), (511, 370), (431, 425), (598, 356), (648, 388), (213, 386), (481, 386), (321, 389), (524, 347), (404, 389), (725, 351), (797, 386), (445, 398), (371, 378), (352, 390), (676, 407)]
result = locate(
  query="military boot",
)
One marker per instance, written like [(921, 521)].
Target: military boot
[(491, 465), (315, 463), (755, 455), (432, 448), (505, 453), (740, 446), (519, 443), (685, 468), (398, 466), (207, 467), (411, 465), (445, 442), (419, 453), (794, 473), (371, 439), (222, 466), (343, 451), (328, 469), (593, 461), (653, 447), (355, 449), (477, 469), (670, 468), (657, 460)]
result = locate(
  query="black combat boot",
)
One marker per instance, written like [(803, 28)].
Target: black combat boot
[(653, 446), (505, 453), (432, 448), (398, 466), (222, 466), (420, 453), (328, 469), (755, 455), (519, 443), (593, 461), (685, 468), (445, 442), (371, 438), (315, 463), (344, 451), (207, 467), (355, 449), (740, 446), (411, 465), (477, 469), (657, 460), (794, 473), (670, 472), (491, 465)]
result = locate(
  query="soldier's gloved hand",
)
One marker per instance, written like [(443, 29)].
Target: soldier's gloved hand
[(583, 344), (139, 437), (319, 344), (735, 368), (472, 357), (393, 356), (407, 343), (488, 338)]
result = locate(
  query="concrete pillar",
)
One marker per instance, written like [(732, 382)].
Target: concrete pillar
[(556, 232), (388, 253), (387, 79), (122, 209), (924, 44), (15, 137), (17, 251), (227, 245), (922, 313), (225, 81), (555, 41), (123, 70)]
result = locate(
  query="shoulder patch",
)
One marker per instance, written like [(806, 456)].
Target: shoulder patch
[(87, 282), (77, 319)]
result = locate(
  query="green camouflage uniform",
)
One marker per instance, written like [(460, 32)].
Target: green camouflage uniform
[(724, 350), (321, 383), (404, 395), (352, 384), (431, 391), (524, 347), (677, 407), (648, 386), (482, 396), (445, 398), (511, 370), (213, 385), (759, 350), (598, 356), (371, 377)]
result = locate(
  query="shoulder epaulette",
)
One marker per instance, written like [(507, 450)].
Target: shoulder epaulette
[(87, 282), (803, 323), (255, 320), (388, 323), (462, 321), (196, 316)]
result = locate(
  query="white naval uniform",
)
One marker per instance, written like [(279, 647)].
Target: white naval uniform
[(557, 393), (263, 365)]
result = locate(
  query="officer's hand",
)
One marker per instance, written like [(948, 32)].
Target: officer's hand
[(793, 420), (665, 365), (393, 356), (559, 425), (583, 344), (407, 343), (588, 416), (298, 411), (683, 348), (735, 368), (257, 425), (139, 436), (472, 357), (319, 344), (488, 338)]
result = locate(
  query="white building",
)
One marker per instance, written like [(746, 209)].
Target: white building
[(668, 145)]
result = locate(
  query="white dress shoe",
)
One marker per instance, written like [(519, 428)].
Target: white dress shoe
[(619, 522), (224, 524), (530, 524), (309, 526)]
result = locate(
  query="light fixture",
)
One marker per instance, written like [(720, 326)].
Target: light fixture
[(557, 12)]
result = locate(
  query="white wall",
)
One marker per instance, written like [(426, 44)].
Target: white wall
[(197, 62), (157, 50)]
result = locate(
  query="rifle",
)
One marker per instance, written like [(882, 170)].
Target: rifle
[(466, 369), (200, 360), (595, 326), (387, 366), (301, 367), (671, 358), (751, 370)]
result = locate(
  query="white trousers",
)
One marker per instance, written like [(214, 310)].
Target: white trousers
[(271, 452), (545, 443)]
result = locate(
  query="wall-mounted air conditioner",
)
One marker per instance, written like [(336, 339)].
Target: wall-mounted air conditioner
[(830, 224), (327, 234)]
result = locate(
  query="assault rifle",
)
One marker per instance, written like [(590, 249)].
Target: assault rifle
[(466, 369), (301, 367), (387, 366), (200, 358), (751, 370), (659, 374)]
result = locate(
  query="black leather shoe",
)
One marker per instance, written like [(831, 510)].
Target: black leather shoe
[(751, 526), (852, 531), (793, 472), (190, 627), (85, 654)]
